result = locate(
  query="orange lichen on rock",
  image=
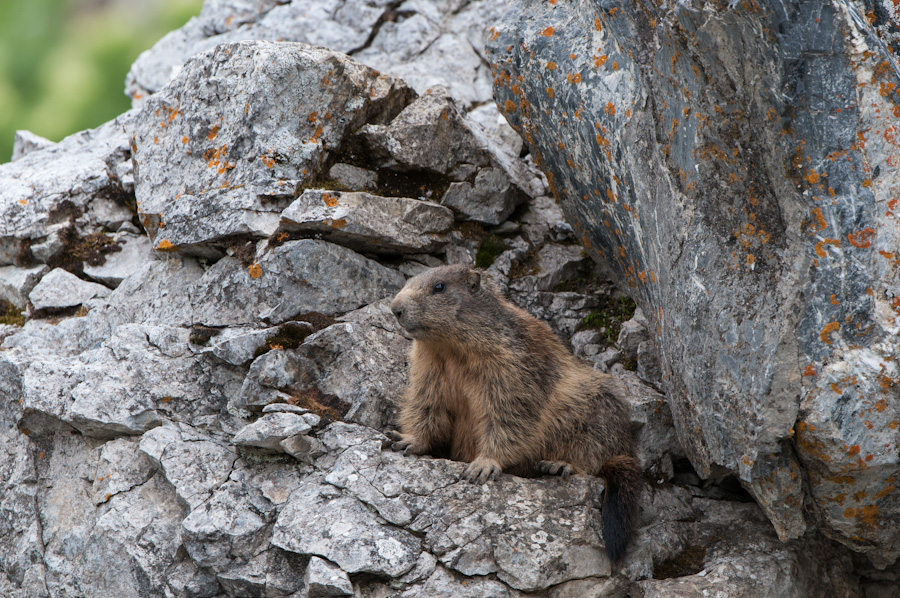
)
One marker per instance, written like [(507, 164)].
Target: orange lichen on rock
[(164, 245), (862, 238), (548, 32), (212, 133), (255, 271), (330, 200), (829, 328), (509, 106)]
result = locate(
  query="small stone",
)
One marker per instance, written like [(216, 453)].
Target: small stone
[(302, 447), (16, 283), (324, 579), (284, 408), (269, 430), (60, 289), (353, 178), (490, 199), (369, 223)]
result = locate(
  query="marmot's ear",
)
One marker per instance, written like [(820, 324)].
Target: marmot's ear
[(473, 279)]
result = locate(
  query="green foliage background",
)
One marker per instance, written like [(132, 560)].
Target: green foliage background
[(63, 62)]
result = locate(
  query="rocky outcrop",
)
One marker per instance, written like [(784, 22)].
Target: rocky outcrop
[(206, 417), (737, 168)]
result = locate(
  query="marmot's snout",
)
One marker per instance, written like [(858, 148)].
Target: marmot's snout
[(400, 308)]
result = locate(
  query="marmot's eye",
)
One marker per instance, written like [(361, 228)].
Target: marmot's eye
[(439, 287)]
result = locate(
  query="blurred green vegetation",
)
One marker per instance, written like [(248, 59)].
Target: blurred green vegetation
[(63, 62)]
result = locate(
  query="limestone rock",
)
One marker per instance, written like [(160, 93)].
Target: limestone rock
[(366, 367), (318, 520), (50, 187), (353, 177), (16, 283), (369, 223), (748, 224), (294, 278), (268, 431), (214, 153), (325, 579), (117, 266), (26, 142), (60, 289)]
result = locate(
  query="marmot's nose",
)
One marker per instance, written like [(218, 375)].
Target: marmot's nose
[(396, 308)]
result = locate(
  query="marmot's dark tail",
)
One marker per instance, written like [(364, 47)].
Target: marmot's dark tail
[(620, 504)]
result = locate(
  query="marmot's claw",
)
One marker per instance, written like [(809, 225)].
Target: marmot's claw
[(482, 470), (560, 468)]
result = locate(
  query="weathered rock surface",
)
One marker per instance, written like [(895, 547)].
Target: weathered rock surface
[(223, 148), (60, 289), (294, 278), (369, 223), (54, 186), (736, 168)]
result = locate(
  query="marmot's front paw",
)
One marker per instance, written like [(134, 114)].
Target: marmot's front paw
[(481, 470), (406, 443)]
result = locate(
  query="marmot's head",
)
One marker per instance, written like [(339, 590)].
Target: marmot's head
[(433, 304)]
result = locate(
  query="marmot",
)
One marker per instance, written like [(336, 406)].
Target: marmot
[(499, 390)]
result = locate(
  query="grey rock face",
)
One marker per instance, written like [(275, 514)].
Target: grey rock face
[(223, 148), (369, 223), (749, 223)]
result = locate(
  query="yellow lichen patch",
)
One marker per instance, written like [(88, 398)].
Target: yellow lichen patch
[(597, 24), (573, 78), (212, 133), (610, 109), (269, 162), (599, 61), (551, 66), (23, 202), (548, 32), (550, 92), (165, 245), (330, 199), (825, 335), (255, 271), (812, 177), (184, 139)]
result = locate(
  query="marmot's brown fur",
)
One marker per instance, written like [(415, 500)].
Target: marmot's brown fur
[(498, 389)]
